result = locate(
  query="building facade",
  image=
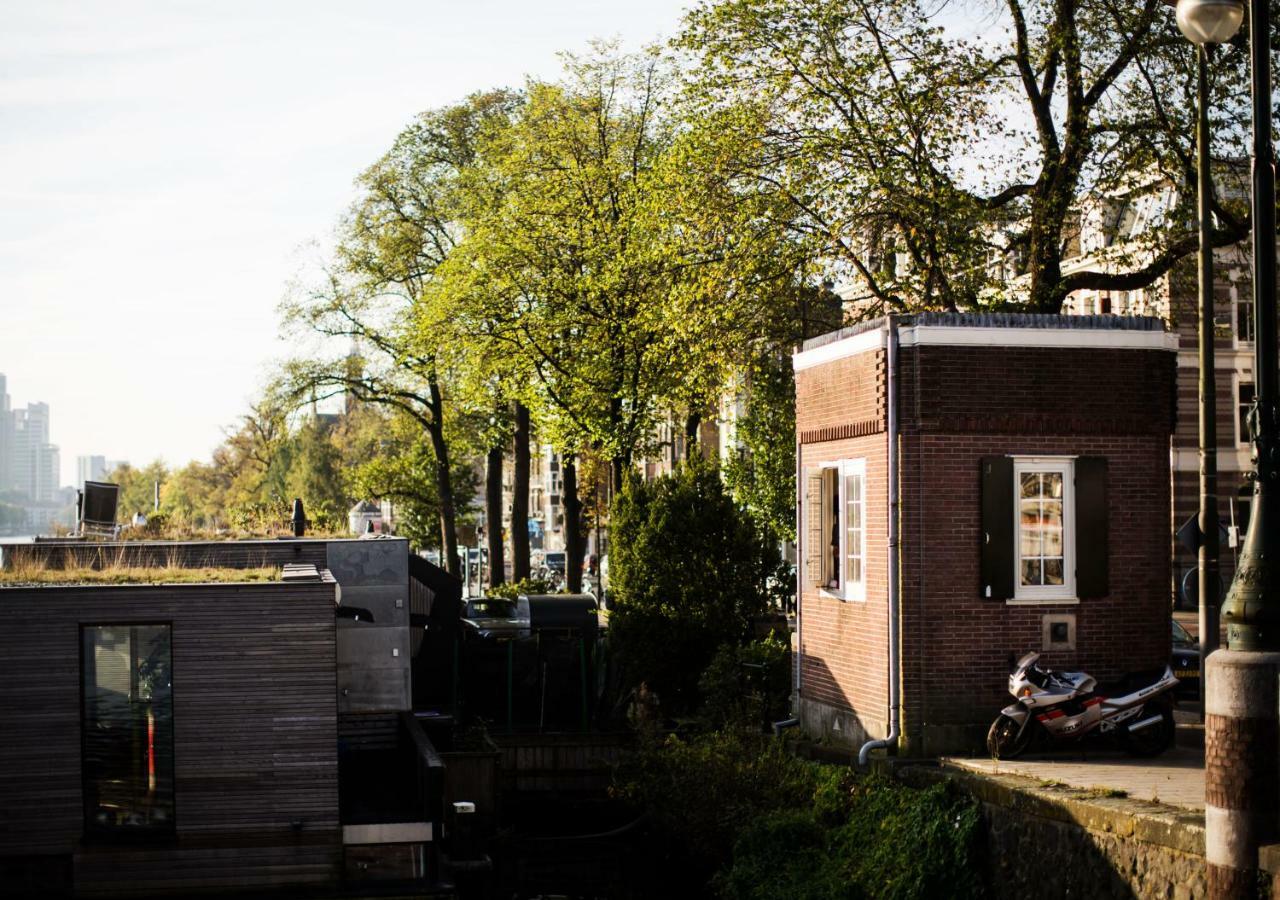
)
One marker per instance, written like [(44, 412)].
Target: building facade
[(1034, 475)]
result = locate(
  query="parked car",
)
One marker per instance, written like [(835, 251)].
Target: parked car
[(494, 617), (1185, 661)]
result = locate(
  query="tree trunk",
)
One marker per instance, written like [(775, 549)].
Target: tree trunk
[(574, 545), (493, 516), (520, 498), (691, 423), (444, 485)]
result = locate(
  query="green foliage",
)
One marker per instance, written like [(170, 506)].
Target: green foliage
[(884, 841), (137, 488), (748, 775), (315, 476), (782, 828), (747, 685), (688, 570), (509, 590), (764, 478)]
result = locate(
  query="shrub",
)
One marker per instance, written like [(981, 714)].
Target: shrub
[(509, 590), (688, 570), (747, 685), (772, 826)]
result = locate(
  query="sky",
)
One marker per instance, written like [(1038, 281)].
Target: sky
[(164, 166)]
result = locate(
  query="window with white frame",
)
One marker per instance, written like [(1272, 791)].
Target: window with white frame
[(1044, 545), (836, 501), (1244, 403), (1242, 330)]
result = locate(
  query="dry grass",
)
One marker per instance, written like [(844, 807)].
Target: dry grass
[(35, 572)]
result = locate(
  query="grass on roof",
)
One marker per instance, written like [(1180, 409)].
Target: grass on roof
[(26, 573)]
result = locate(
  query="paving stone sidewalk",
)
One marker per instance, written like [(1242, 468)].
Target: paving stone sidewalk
[(1175, 778)]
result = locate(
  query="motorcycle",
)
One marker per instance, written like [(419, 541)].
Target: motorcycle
[(1066, 706)]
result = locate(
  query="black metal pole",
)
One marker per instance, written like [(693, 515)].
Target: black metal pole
[(1210, 586), (1252, 610)]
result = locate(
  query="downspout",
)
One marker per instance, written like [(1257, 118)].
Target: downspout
[(800, 489), (891, 401)]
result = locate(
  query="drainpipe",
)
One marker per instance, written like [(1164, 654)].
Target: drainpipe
[(800, 489), (891, 401)]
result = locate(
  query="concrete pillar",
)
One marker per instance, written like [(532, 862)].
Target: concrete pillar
[(1242, 767)]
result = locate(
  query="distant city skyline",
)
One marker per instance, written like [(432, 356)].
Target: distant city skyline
[(161, 164)]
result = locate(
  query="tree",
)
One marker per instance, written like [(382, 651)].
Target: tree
[(137, 487), (386, 456), (913, 161), (315, 476), (558, 269), (688, 570), (403, 227)]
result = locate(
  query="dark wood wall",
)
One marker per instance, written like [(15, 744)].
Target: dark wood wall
[(255, 725)]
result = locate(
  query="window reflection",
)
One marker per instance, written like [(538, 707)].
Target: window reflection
[(128, 729)]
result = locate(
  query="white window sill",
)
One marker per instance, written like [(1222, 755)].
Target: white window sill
[(1042, 601), (831, 595)]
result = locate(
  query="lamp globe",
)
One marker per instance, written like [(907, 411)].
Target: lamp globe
[(1209, 21)]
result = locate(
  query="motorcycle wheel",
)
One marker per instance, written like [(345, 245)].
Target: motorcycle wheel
[(1154, 739), (1007, 739)]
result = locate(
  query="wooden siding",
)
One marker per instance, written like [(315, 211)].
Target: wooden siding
[(255, 727)]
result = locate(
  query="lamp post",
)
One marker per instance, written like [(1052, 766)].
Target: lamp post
[(1242, 741)]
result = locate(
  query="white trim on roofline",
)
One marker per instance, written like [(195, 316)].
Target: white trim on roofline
[(970, 336), (850, 346), (962, 336)]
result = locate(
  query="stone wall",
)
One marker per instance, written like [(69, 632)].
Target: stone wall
[(1047, 840)]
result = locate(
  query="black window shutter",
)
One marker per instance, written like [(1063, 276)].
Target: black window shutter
[(1092, 543), (997, 527)]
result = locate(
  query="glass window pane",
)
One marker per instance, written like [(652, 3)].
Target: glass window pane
[(1051, 513), (855, 570), (1031, 571), (1030, 513), (1052, 542), (1053, 571), (128, 728), (1029, 545), (1053, 484), (1030, 484)]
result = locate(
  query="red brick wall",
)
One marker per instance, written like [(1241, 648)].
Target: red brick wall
[(843, 643), (957, 405)]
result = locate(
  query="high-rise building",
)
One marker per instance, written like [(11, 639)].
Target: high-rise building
[(33, 464), (90, 468), (6, 438)]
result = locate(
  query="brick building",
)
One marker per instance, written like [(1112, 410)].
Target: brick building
[(1033, 467)]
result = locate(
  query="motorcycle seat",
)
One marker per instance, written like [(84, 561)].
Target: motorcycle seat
[(1129, 682)]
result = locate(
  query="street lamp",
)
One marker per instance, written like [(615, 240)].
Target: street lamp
[(1242, 741), (1205, 23), (1209, 21), (1252, 609)]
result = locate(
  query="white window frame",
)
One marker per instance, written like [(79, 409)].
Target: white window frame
[(1237, 342), (843, 588), (1047, 593), (1242, 437)]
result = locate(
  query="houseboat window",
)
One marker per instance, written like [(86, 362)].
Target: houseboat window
[(127, 729), (1045, 567)]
